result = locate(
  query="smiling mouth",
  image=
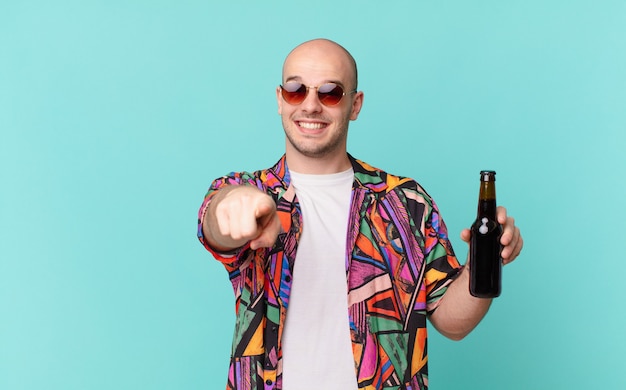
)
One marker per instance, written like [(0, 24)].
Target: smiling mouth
[(312, 125)]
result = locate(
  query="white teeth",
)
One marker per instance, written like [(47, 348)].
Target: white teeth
[(312, 126)]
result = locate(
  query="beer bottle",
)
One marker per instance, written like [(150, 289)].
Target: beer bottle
[(485, 261)]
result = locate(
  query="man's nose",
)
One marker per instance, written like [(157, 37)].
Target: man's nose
[(312, 102)]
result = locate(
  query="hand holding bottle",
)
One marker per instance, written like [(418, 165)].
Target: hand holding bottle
[(511, 239)]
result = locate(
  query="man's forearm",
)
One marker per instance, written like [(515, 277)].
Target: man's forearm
[(459, 312)]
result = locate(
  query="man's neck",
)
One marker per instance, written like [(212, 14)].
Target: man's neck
[(318, 165)]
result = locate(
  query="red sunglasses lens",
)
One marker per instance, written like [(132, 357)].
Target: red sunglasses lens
[(294, 93), (330, 94)]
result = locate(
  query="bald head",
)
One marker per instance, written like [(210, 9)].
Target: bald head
[(322, 53)]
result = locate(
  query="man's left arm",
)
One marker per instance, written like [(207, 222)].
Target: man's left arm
[(459, 312)]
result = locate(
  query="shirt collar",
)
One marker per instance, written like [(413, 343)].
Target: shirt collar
[(365, 176)]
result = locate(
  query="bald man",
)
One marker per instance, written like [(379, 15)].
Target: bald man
[(336, 265)]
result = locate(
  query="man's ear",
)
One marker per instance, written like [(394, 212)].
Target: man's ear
[(357, 104), (279, 100)]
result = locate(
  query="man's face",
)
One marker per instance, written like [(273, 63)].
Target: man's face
[(313, 129)]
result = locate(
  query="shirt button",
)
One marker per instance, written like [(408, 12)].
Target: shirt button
[(268, 382), (287, 278)]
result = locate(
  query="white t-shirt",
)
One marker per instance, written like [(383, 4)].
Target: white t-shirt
[(317, 350)]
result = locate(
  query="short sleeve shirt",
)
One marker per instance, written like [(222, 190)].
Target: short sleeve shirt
[(399, 262)]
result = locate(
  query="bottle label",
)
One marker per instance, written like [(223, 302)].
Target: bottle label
[(483, 229)]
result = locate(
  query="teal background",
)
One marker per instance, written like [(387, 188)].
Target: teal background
[(116, 115)]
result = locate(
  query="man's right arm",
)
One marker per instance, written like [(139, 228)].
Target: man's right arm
[(239, 214)]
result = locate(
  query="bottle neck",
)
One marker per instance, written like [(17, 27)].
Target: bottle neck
[(487, 200)]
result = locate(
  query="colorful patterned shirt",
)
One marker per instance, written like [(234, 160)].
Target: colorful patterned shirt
[(399, 263)]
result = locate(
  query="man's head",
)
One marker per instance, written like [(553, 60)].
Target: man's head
[(316, 125)]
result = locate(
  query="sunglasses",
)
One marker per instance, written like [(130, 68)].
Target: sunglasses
[(329, 94)]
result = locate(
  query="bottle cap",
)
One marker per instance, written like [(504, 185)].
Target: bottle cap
[(488, 175)]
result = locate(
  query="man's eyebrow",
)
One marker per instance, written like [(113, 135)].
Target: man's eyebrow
[(293, 78)]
